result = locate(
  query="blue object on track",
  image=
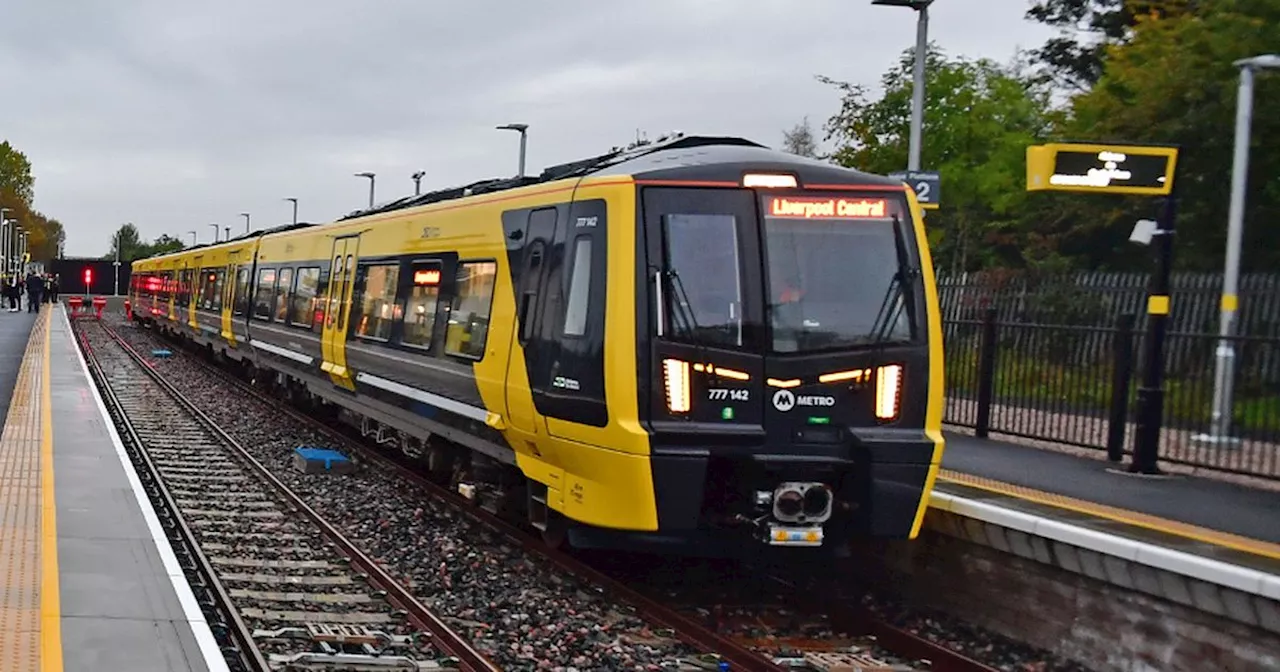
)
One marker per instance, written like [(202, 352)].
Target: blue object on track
[(161, 353), (312, 460)]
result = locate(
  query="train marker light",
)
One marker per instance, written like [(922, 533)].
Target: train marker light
[(675, 374), (888, 391)]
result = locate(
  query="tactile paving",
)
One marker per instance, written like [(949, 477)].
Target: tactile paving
[(20, 510), (1135, 518)]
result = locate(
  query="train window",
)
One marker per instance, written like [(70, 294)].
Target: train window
[(242, 291), (219, 281), (282, 294), (304, 297), (264, 294), (575, 311), (378, 308), (704, 303), (420, 314), (208, 291), (469, 312)]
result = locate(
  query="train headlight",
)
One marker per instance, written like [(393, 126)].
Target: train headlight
[(675, 377), (888, 391)]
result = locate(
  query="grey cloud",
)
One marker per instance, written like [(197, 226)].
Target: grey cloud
[(176, 115)]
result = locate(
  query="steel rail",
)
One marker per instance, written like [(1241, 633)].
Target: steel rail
[(444, 637)]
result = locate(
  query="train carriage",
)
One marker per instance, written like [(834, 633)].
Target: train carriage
[(697, 343)]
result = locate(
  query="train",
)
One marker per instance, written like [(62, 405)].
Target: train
[(693, 345)]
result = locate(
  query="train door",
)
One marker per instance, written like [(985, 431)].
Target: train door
[(531, 266), (235, 296), (333, 336), (195, 282)]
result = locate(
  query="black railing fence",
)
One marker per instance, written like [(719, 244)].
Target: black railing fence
[(1072, 383)]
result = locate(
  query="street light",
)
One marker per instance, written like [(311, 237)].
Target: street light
[(417, 182), (215, 232), (371, 177), (1225, 355), (917, 87), (522, 129), (5, 243), (193, 238), (246, 221), (226, 233), (295, 208)]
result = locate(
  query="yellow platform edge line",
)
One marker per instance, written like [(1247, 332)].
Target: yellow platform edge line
[(1141, 520), (50, 597)]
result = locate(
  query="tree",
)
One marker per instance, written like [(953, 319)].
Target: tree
[(165, 244), (979, 118), (800, 140), (15, 174), (1173, 82), (129, 244)]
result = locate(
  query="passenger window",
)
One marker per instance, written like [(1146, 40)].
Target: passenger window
[(575, 311), (343, 304), (262, 298), (378, 309), (242, 291), (304, 297), (420, 314), (469, 312), (216, 299), (282, 294)]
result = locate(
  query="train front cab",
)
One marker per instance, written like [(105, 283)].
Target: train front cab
[(792, 342)]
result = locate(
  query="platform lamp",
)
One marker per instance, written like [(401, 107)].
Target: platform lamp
[(417, 182), (372, 177), (215, 232), (295, 208), (917, 78), (193, 238), (5, 243), (523, 130), (246, 221)]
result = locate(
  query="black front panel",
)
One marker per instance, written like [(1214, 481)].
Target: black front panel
[(559, 262)]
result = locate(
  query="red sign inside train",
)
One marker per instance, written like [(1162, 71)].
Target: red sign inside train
[(426, 277), (827, 208)]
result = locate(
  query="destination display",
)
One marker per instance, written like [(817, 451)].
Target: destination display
[(827, 208), (1113, 169), (426, 277)]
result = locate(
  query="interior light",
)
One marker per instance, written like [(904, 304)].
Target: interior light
[(769, 181), (888, 391), (675, 374), (774, 382), (856, 375)]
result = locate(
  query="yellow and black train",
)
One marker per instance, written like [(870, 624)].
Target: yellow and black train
[(694, 344)]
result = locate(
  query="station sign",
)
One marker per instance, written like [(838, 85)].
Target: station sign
[(1101, 169), (926, 183)]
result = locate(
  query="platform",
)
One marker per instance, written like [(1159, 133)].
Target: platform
[(90, 582), (1202, 528)]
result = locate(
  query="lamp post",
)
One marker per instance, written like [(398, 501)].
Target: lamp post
[(246, 221), (116, 291), (5, 243), (193, 238), (226, 233), (417, 182), (1225, 355), (295, 208), (371, 177), (215, 232), (523, 130), (917, 77)]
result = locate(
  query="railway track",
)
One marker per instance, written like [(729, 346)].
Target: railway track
[(283, 589), (773, 627)]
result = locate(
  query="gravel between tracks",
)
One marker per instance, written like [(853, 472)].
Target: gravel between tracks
[(517, 608)]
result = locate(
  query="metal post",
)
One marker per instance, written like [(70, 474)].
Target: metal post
[(6, 245), (371, 177), (1150, 406), (917, 90), (215, 232), (116, 292), (1225, 355), (295, 209), (523, 130), (193, 237), (226, 233), (417, 182), (246, 221)]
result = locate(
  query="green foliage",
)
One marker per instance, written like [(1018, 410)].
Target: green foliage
[(15, 174), (132, 247), (17, 195), (979, 118)]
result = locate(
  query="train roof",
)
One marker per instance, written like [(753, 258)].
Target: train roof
[(696, 158)]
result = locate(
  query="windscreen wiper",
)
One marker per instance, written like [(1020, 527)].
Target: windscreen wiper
[(686, 310)]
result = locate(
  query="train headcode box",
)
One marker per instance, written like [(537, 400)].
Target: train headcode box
[(1101, 169)]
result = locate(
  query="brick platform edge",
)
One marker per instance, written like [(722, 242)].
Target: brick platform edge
[(1100, 610)]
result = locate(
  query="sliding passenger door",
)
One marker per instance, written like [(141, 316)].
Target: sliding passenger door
[(530, 263), (333, 335)]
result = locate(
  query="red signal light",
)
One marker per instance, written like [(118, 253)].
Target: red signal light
[(88, 276)]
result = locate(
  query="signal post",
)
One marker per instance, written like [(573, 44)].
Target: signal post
[(1135, 170)]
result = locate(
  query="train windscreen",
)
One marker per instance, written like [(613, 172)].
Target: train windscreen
[(834, 272)]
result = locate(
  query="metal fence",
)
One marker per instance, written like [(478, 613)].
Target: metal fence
[(1021, 365)]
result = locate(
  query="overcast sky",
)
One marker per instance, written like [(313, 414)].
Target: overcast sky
[(176, 115)]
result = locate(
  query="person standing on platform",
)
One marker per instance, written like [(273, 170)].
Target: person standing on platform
[(54, 282), (35, 292)]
